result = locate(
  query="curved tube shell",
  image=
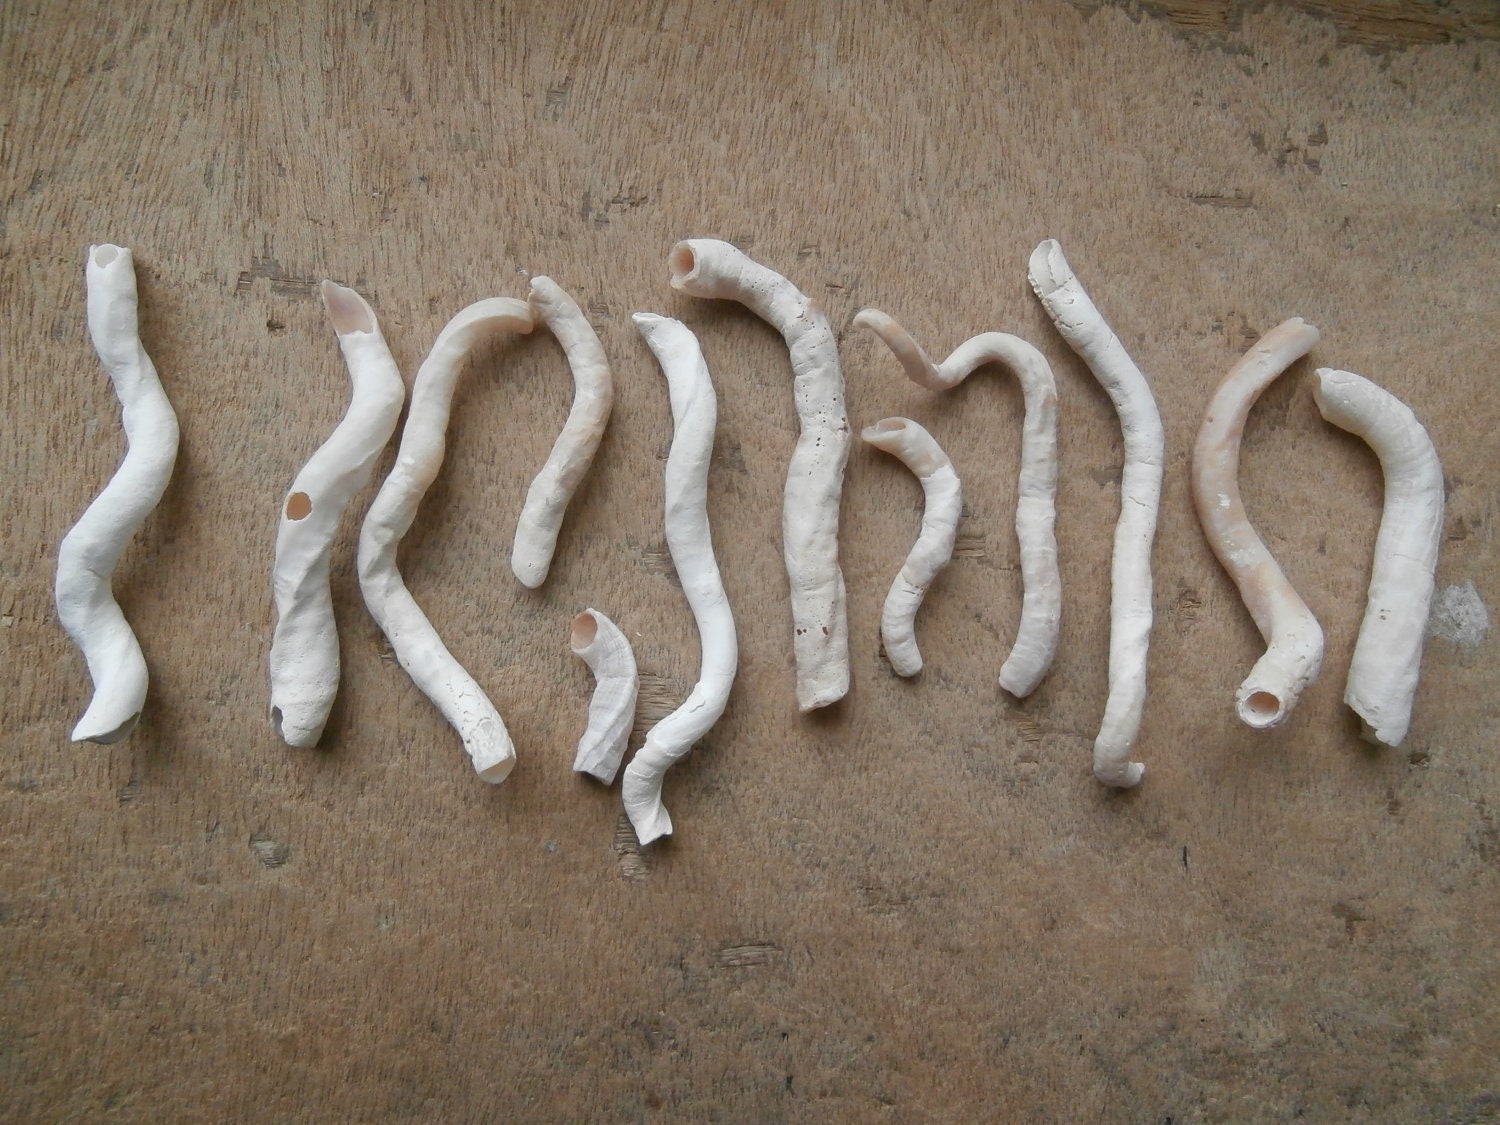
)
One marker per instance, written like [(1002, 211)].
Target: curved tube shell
[(305, 648), (1388, 654), (706, 267), (694, 416), (599, 643), (1041, 604), (573, 452), (416, 643), (943, 498), (1088, 334), (1294, 640), (88, 554)]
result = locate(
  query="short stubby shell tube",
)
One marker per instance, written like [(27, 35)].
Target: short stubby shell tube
[(416, 643), (706, 267), (943, 502), (694, 416), (1041, 601), (1084, 328), (1294, 640), (1388, 653), (88, 554), (600, 644), (305, 648)]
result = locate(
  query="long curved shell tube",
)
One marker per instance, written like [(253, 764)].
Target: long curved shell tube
[(706, 267), (1388, 654), (943, 502), (305, 648), (1041, 602), (1294, 640), (599, 643), (87, 556), (416, 643), (573, 452), (1088, 334), (694, 415)]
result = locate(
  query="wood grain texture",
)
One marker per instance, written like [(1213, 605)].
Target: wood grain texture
[(917, 907)]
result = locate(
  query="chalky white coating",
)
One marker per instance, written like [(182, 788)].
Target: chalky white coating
[(601, 645), (694, 416), (706, 267), (1088, 334), (88, 554)]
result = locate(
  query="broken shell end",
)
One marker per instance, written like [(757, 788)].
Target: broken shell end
[(496, 771), (585, 629), (1261, 710), (1121, 775), (683, 263), (1048, 270), (347, 310), (90, 730)]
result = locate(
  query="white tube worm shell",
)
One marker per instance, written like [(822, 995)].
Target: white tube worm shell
[(416, 643), (943, 502), (1388, 654), (1088, 334), (694, 416), (1041, 604), (1294, 640), (573, 452), (706, 267), (88, 554), (305, 648), (601, 645)]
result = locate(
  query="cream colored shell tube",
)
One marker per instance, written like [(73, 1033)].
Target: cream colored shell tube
[(1294, 640), (1036, 511), (599, 643), (694, 416), (1388, 654), (416, 643), (943, 502), (706, 267), (305, 648), (88, 554), (1088, 334)]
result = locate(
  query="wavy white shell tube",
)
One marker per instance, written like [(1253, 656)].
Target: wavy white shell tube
[(573, 452), (1088, 334), (1041, 603), (943, 502), (706, 267), (87, 556), (1388, 654), (600, 644), (694, 416), (305, 648), (416, 643), (1294, 640)]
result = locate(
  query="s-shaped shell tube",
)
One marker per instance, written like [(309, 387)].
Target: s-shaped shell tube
[(1388, 654), (694, 415), (305, 647), (87, 556), (416, 643), (1088, 334), (943, 500), (706, 267), (1041, 603), (598, 642), (1294, 640), (573, 452)]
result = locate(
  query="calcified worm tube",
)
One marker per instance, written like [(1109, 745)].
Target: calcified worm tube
[(943, 500), (305, 648), (1388, 654), (706, 267), (87, 556), (599, 643), (1087, 333), (1294, 640), (694, 415), (573, 452), (1041, 603), (416, 643)]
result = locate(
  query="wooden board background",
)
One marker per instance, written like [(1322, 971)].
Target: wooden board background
[(916, 907)]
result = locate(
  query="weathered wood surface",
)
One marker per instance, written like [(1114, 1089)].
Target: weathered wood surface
[(919, 906)]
